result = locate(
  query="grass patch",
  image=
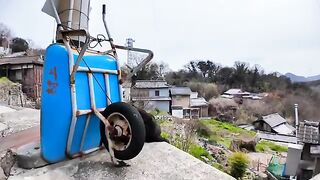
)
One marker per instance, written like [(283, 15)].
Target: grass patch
[(222, 132), (199, 152), (165, 135), (5, 80), (157, 112), (265, 146), (219, 167), (217, 126)]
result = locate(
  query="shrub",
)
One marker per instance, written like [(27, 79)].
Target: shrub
[(238, 162), (198, 151), (206, 90)]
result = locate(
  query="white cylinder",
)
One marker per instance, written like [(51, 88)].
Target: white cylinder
[(74, 14), (296, 118)]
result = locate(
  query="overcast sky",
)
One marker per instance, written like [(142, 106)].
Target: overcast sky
[(280, 35)]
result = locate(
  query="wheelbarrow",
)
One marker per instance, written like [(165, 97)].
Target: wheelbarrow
[(81, 104)]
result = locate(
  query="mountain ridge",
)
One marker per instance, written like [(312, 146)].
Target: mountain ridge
[(297, 78)]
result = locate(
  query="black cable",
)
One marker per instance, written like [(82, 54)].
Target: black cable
[(100, 38)]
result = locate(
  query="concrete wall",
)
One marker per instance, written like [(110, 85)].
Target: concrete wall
[(161, 105), (163, 92), (177, 113), (139, 93), (204, 111), (179, 100), (30, 76)]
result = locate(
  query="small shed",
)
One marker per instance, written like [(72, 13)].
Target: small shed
[(26, 70), (201, 104), (274, 123)]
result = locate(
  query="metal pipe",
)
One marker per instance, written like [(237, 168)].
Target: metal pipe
[(296, 118), (98, 70), (107, 124), (73, 99), (91, 90), (87, 111), (56, 15), (85, 132), (105, 23), (143, 63), (106, 79), (71, 4)]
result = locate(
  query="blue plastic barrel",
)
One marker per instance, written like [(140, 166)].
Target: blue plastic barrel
[(56, 109)]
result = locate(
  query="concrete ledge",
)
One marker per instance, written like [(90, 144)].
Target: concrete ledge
[(29, 156), (156, 161)]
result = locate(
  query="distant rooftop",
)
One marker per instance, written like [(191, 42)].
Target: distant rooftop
[(180, 91), (197, 102), (273, 119), (151, 84), (235, 92), (21, 60)]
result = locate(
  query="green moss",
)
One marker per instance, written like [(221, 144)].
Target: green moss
[(265, 146)]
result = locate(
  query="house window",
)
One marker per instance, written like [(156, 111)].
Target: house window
[(18, 75), (157, 93)]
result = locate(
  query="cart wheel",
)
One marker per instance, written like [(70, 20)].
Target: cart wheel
[(128, 132)]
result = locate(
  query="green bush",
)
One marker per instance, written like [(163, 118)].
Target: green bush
[(238, 162)]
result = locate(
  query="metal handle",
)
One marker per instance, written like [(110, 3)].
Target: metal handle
[(78, 32), (140, 65), (103, 9)]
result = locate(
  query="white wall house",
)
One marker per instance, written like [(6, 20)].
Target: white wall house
[(151, 95)]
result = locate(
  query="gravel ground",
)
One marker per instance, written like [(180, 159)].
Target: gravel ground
[(15, 120)]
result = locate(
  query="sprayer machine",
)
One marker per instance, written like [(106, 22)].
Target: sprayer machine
[(81, 103)]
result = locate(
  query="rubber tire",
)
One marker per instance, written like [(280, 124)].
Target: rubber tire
[(137, 129)]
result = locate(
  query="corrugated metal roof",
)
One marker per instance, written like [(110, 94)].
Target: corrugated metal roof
[(283, 129), (196, 102), (273, 119), (21, 60), (180, 91), (151, 84)]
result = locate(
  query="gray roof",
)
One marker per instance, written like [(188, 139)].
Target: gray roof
[(197, 102), (21, 60), (180, 91), (235, 92), (284, 129), (273, 119), (151, 84)]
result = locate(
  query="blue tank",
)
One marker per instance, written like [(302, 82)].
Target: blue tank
[(56, 107)]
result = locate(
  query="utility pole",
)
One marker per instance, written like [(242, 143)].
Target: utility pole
[(129, 44)]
